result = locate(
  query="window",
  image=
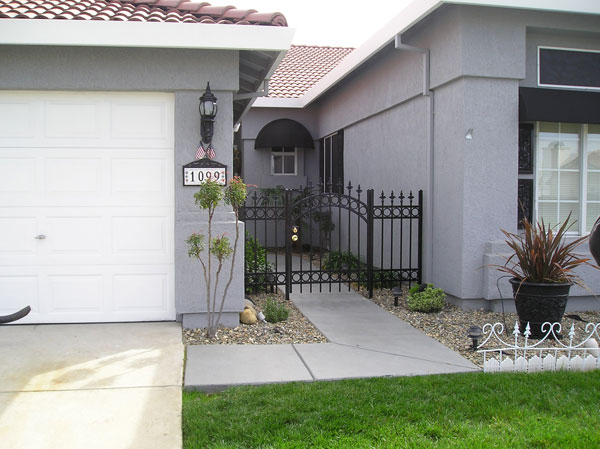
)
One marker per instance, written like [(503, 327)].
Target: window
[(283, 160), (567, 174), (331, 162)]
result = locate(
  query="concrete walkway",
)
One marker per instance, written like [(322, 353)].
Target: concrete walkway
[(92, 386), (365, 341)]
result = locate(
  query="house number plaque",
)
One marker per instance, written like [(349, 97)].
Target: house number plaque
[(198, 172)]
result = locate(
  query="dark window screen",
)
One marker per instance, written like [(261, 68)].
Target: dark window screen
[(569, 68)]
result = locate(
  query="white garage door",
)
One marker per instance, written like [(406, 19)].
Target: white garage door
[(86, 206)]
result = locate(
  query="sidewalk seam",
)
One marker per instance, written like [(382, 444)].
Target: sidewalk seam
[(304, 363), (401, 355)]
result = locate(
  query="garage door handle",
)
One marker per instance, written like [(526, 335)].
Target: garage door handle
[(40, 237)]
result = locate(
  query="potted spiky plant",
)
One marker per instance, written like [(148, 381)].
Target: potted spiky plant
[(542, 268)]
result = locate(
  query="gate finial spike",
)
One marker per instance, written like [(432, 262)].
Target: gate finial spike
[(359, 190), (516, 331), (527, 332), (382, 196), (392, 197)]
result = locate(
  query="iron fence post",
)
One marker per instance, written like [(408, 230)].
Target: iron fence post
[(420, 242), (288, 245), (370, 205)]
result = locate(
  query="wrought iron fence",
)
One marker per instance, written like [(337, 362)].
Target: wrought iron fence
[(319, 236), (541, 356)]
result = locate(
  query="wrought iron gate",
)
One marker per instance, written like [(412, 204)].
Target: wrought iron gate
[(318, 237)]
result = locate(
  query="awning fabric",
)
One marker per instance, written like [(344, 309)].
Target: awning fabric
[(558, 105), (284, 133)]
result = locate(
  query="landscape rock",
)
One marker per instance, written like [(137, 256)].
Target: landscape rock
[(248, 316)]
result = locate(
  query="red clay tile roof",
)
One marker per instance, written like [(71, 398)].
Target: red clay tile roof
[(137, 11), (302, 67)]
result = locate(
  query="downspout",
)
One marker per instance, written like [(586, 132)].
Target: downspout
[(428, 207)]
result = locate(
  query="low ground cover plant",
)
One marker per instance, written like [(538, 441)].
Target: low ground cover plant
[(473, 410), (429, 300), (275, 312)]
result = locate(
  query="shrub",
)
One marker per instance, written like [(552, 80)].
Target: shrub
[(256, 256), (256, 262), (428, 301), (335, 260), (275, 312)]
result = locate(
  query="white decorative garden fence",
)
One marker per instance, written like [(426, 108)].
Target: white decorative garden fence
[(540, 356)]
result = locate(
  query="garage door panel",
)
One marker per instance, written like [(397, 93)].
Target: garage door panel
[(135, 235), (19, 291), (74, 294), (74, 235), (74, 120), (73, 175), (18, 119), (138, 121), (139, 176), (17, 175), (140, 292), (17, 236), (92, 172)]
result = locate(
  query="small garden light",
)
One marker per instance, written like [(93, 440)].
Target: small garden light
[(397, 292), (475, 333)]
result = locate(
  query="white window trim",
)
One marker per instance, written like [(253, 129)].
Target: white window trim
[(583, 153), (563, 86), (289, 153)]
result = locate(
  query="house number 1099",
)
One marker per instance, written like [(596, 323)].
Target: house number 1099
[(197, 176)]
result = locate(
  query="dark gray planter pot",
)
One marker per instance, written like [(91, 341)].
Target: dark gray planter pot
[(538, 303)]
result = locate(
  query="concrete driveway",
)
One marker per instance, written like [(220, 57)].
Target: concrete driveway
[(91, 386)]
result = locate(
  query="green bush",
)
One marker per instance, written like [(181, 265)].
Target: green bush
[(428, 301), (335, 260), (256, 262), (275, 312)]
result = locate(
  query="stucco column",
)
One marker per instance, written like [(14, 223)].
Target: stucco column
[(190, 288), (476, 177)]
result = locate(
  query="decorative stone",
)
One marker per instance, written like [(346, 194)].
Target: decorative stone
[(248, 304), (248, 316)]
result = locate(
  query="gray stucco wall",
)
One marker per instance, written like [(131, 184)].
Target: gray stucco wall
[(183, 72), (479, 58)]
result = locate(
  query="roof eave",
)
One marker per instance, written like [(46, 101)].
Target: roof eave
[(266, 102), (144, 34), (414, 13)]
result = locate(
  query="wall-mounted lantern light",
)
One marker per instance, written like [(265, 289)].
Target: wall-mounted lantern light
[(208, 112)]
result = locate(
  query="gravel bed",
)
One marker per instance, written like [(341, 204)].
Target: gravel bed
[(296, 329), (450, 325)]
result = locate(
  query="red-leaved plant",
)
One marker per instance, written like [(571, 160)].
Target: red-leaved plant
[(542, 255)]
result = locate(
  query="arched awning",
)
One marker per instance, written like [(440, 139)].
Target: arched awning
[(284, 133)]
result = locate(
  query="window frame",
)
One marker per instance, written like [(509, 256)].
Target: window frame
[(562, 86), (583, 181), (284, 153)]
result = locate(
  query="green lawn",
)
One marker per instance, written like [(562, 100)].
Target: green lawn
[(546, 410)]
